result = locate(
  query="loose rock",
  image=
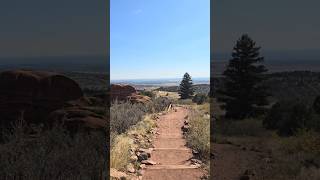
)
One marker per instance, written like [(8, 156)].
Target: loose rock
[(130, 168), (148, 162)]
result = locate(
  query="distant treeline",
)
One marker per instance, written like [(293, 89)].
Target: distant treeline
[(198, 88), (296, 85)]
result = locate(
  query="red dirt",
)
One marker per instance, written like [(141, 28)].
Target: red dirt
[(231, 162), (170, 153)]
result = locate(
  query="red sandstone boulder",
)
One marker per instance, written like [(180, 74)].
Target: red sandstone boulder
[(127, 93), (32, 95), (74, 118), (121, 92)]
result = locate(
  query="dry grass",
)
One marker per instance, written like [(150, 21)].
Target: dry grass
[(120, 152), (171, 95), (198, 136), (304, 141), (143, 127), (52, 154), (121, 144)]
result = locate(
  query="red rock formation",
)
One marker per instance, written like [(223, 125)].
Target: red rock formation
[(121, 92), (127, 93), (76, 117), (33, 95)]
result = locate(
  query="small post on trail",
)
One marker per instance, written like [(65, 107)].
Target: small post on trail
[(169, 108)]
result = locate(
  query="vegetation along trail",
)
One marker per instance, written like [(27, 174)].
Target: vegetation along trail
[(170, 153)]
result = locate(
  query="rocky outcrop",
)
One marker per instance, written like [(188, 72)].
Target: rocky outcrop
[(43, 97), (121, 92), (127, 93), (74, 118)]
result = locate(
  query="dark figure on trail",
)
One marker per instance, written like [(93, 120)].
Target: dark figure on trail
[(243, 93)]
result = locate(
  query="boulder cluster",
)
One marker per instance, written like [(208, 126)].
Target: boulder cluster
[(39, 97), (127, 93)]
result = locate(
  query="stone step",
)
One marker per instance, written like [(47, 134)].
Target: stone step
[(174, 156), (170, 149), (169, 136), (173, 174), (170, 143), (173, 167)]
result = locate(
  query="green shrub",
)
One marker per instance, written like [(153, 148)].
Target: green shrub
[(287, 117), (185, 102), (147, 93), (245, 127), (199, 98)]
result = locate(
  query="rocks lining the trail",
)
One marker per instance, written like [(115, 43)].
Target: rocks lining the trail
[(142, 156), (196, 161), (130, 168), (147, 151), (170, 159), (148, 162), (117, 174), (195, 152), (185, 128), (142, 166), (134, 158)]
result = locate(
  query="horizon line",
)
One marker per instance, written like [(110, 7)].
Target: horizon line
[(166, 78)]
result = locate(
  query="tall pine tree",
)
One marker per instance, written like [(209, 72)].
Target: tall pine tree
[(185, 88), (243, 93)]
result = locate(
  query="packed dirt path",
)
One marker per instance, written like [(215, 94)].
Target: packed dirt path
[(232, 162), (170, 153)]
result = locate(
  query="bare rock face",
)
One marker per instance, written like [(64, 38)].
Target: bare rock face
[(127, 93), (121, 92), (44, 98), (74, 118)]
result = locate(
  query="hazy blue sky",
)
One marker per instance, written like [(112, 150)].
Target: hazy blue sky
[(159, 38), (52, 28), (276, 25)]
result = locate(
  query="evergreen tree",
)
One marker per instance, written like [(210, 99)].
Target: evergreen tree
[(185, 88), (243, 94)]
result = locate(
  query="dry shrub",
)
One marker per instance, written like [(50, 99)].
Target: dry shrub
[(246, 127), (124, 115), (119, 154), (198, 136), (158, 104), (306, 141), (143, 127), (52, 154)]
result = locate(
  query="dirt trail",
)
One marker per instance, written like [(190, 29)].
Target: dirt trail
[(232, 162), (170, 153)]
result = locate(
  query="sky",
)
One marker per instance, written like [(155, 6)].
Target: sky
[(36, 28), (275, 25), (154, 39)]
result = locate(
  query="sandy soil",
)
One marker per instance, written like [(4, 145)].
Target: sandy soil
[(170, 153), (233, 162)]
